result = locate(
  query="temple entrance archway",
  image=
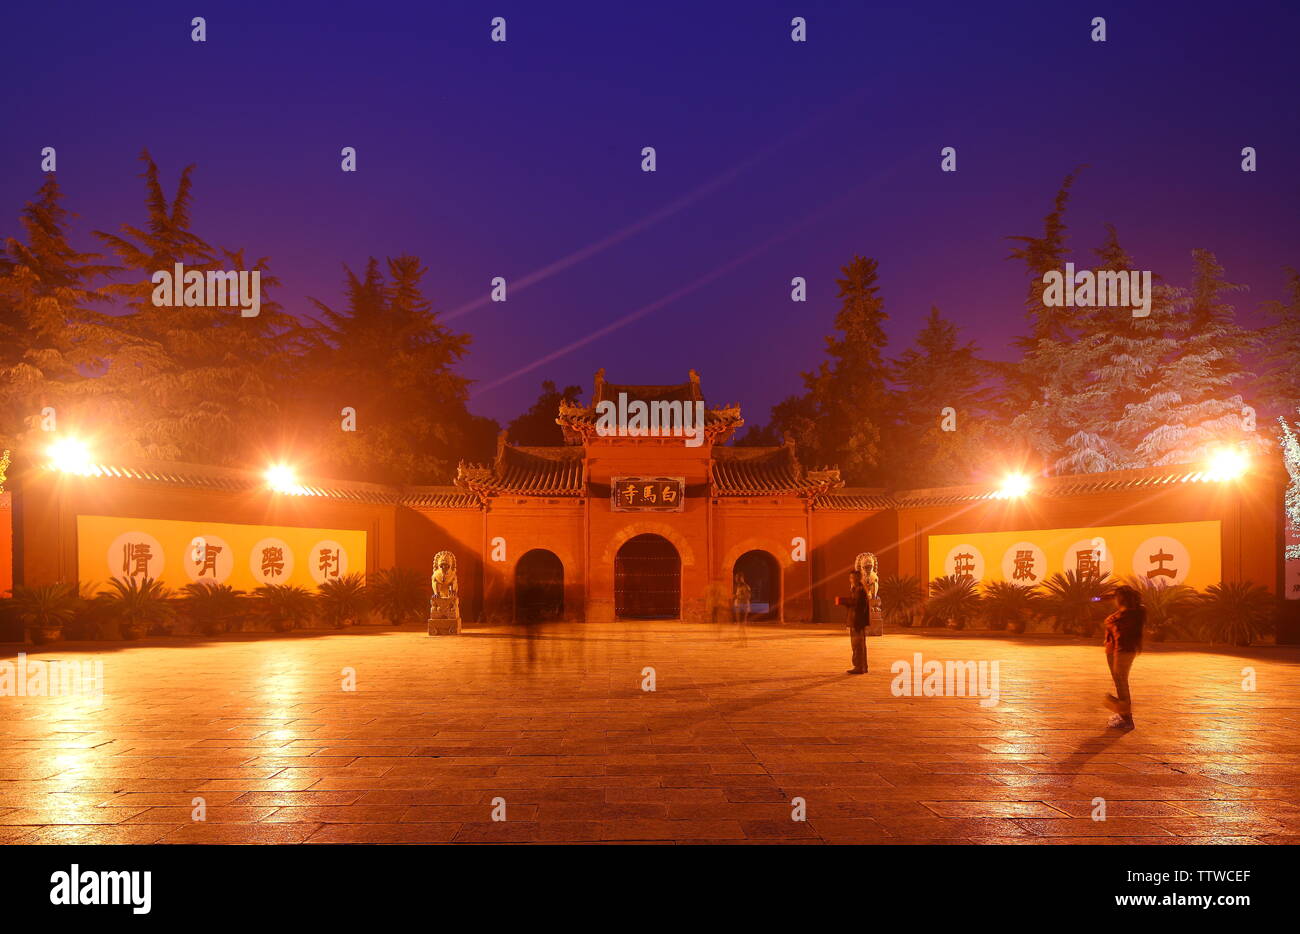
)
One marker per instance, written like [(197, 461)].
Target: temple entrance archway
[(763, 574), (539, 587), (647, 579)]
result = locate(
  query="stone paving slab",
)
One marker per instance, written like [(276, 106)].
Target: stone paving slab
[(553, 725)]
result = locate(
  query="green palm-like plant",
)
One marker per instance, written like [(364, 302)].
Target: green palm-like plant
[(287, 606), (1235, 613), (1008, 605), (138, 605), (1077, 602), (343, 600), (900, 598), (953, 599), (45, 609), (1170, 607), (213, 606), (399, 595)]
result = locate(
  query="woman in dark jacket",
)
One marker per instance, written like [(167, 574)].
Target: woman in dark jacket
[(1123, 643)]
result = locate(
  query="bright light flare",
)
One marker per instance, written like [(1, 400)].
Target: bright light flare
[(70, 455), (283, 479), (1014, 486), (1227, 464)]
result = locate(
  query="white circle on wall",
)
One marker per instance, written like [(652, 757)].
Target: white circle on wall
[(209, 558), (271, 561), (328, 560), (136, 554), (1162, 559), (1024, 563), (1090, 554), (964, 561)]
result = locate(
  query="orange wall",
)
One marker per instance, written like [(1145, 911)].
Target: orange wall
[(1254, 505)]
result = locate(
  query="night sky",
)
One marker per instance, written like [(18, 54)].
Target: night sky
[(775, 159)]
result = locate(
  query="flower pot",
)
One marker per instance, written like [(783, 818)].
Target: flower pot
[(133, 631), (1016, 626), (45, 634), (956, 624)]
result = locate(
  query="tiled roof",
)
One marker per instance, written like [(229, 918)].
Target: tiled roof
[(535, 471), (234, 480), (741, 471), (856, 497), (579, 421)]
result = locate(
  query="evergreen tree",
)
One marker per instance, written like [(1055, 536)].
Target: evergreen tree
[(1039, 401), (52, 338), (943, 435), (1118, 354), (190, 383), (1192, 402), (537, 425), (387, 357), (1279, 385), (838, 420)]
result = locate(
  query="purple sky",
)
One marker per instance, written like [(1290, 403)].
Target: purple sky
[(776, 159)]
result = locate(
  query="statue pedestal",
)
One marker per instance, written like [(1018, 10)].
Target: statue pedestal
[(877, 625), (444, 616)]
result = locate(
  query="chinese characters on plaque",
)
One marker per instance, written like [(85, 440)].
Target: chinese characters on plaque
[(647, 494)]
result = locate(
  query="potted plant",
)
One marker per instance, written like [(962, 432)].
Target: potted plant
[(285, 605), (212, 606), (1169, 606), (45, 609), (953, 599), (399, 595), (342, 600), (1008, 606), (1235, 613), (138, 605), (900, 598), (1077, 602)]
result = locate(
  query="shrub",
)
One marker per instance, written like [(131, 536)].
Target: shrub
[(45, 609), (953, 599), (286, 606), (399, 595), (342, 601), (1237, 613), (1009, 606), (138, 605), (212, 606), (1077, 602), (1170, 608), (900, 598)]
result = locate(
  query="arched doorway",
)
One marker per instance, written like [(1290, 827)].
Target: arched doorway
[(539, 587), (763, 574), (647, 579)]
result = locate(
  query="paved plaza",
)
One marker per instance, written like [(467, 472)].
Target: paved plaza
[(553, 727)]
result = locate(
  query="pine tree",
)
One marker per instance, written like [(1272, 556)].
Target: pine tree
[(195, 383), (1279, 384), (838, 420), (537, 425), (52, 337), (387, 357), (1118, 353), (1192, 402), (943, 435), (1039, 401)]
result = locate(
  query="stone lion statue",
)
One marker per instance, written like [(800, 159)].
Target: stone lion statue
[(444, 604), (867, 565), (444, 575)]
